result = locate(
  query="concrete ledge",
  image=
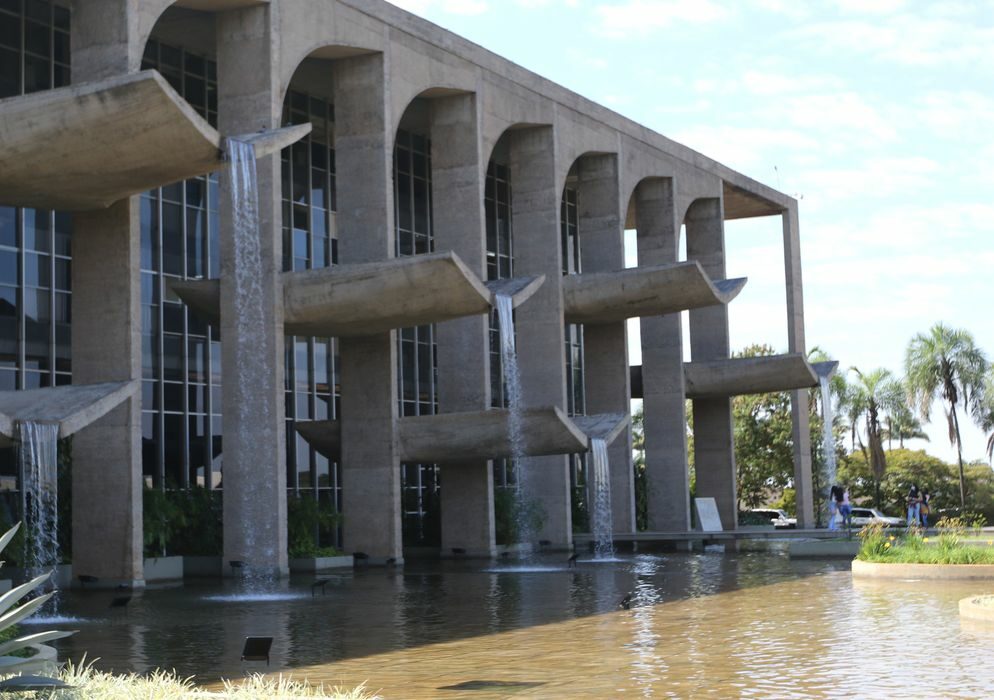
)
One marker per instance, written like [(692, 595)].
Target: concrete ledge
[(310, 565), (951, 572), (605, 297), (748, 375), (163, 569), (978, 607), (828, 548)]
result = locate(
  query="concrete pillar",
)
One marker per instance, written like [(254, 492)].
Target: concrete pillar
[(800, 429), (106, 332), (364, 161), (458, 171), (540, 337), (714, 449), (605, 346), (663, 384), (253, 427)]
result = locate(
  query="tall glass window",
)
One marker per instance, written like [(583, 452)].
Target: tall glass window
[(417, 353), (310, 242), (500, 265), (181, 353), (575, 403), (35, 244)]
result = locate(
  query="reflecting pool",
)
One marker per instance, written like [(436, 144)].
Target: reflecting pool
[(750, 624)]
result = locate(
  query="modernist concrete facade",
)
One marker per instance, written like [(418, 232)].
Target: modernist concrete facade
[(422, 144)]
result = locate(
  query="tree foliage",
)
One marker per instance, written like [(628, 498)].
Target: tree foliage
[(945, 364)]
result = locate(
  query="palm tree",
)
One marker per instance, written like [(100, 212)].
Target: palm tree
[(870, 395), (983, 411), (902, 425), (945, 364)]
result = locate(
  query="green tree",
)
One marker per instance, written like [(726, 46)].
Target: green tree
[(945, 364), (983, 411), (871, 395), (901, 424)]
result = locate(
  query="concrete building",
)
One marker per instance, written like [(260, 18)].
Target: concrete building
[(433, 175)]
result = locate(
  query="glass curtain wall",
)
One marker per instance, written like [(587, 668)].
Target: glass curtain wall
[(417, 353), (310, 242), (500, 265), (181, 353), (35, 244), (575, 403)]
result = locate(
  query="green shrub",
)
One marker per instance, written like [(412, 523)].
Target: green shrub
[(309, 522), (915, 547)]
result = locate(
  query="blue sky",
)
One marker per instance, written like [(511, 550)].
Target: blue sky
[(876, 114)]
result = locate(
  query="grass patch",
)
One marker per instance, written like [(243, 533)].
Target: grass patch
[(956, 543), (91, 684)]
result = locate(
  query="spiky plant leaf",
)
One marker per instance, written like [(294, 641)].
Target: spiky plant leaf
[(15, 594), (37, 638)]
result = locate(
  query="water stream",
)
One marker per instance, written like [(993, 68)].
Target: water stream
[(39, 445), (600, 517), (828, 437), (512, 382), (249, 311)]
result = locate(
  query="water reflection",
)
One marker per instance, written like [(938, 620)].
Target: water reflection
[(747, 624)]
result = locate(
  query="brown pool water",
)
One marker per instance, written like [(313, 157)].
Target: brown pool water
[(714, 624)]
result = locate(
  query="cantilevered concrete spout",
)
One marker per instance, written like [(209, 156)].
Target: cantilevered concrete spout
[(476, 435), (748, 375), (71, 407), (356, 300), (520, 289), (605, 297), (87, 146), (825, 369)]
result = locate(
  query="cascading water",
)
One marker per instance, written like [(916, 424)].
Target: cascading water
[(249, 311), (512, 381), (601, 524), (828, 438), (39, 445)]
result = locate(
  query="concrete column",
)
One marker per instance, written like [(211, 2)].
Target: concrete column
[(663, 384), (800, 430), (605, 346), (106, 332), (254, 427), (714, 449), (364, 161), (458, 170), (540, 337)]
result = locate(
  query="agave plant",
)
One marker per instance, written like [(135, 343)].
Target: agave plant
[(11, 614)]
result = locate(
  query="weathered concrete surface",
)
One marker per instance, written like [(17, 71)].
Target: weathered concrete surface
[(815, 549), (520, 289), (219, 5), (87, 146), (652, 290), (748, 375), (72, 407), (450, 438), (664, 402), (365, 299), (944, 572)]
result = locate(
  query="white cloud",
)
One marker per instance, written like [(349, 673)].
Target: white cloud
[(748, 148), (769, 84), (843, 115), (641, 17), (873, 179)]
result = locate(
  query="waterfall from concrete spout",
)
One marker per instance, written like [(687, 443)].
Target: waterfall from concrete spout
[(828, 438), (512, 382), (600, 522), (39, 446), (249, 310)]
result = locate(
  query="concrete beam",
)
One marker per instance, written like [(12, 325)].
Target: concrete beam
[(605, 297), (750, 375), (369, 298), (453, 438), (219, 5), (86, 146), (72, 407)]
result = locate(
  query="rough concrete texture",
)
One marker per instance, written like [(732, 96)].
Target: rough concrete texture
[(650, 290), (72, 407), (369, 298), (454, 438), (87, 146), (748, 375), (662, 391), (943, 572)]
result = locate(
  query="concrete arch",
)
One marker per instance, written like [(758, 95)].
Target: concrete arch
[(437, 92)]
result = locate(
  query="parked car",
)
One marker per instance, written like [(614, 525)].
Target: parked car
[(778, 518), (865, 516)]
